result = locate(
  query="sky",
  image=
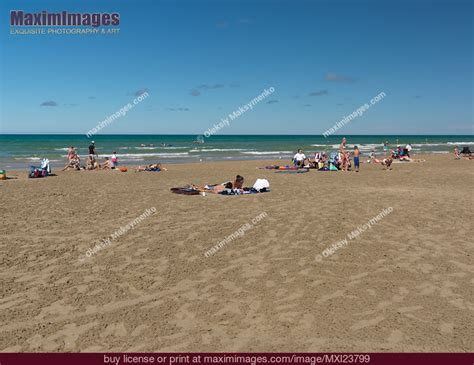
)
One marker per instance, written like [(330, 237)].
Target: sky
[(201, 60)]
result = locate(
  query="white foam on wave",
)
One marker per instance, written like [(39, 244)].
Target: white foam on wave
[(265, 152), (220, 150), (460, 143), (428, 144), (157, 154), (28, 158)]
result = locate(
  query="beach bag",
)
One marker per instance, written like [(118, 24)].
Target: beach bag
[(261, 184), (3, 175), (36, 172)]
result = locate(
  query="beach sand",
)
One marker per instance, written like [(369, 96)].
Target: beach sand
[(405, 284)]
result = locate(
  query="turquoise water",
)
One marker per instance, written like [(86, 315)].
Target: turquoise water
[(20, 151)]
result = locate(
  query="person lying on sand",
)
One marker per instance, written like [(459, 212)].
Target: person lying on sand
[(237, 186), (152, 167)]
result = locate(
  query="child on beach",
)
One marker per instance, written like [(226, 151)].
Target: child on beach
[(114, 160), (356, 158), (107, 164)]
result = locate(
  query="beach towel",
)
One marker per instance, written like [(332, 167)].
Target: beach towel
[(185, 191), (294, 171), (245, 191)]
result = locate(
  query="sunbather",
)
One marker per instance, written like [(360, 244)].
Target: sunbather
[(152, 167)]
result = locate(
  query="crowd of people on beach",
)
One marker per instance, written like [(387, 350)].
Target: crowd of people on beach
[(109, 163), (342, 161), (92, 160)]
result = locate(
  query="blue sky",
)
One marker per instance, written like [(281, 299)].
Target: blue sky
[(343, 52)]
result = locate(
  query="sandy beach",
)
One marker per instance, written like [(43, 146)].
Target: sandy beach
[(404, 284)]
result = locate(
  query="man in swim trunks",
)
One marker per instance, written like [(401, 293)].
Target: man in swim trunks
[(356, 158), (92, 152)]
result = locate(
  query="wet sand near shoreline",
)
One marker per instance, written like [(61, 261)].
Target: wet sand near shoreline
[(405, 284)]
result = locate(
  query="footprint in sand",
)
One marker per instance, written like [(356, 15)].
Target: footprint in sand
[(395, 337), (367, 323), (446, 328)]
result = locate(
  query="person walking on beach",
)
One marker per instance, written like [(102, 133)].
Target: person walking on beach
[(385, 148), (299, 158), (356, 158)]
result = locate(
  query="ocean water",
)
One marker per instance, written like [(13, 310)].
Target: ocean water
[(21, 151)]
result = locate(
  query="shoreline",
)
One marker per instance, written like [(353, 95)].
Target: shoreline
[(283, 161)]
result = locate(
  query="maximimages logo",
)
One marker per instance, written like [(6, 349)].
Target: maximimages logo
[(64, 18)]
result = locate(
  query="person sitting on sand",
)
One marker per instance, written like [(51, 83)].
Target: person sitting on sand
[(73, 160), (92, 163), (298, 158), (387, 162), (74, 163), (107, 164), (373, 158), (239, 182)]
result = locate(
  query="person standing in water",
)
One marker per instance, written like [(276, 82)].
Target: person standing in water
[(385, 148), (92, 152)]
